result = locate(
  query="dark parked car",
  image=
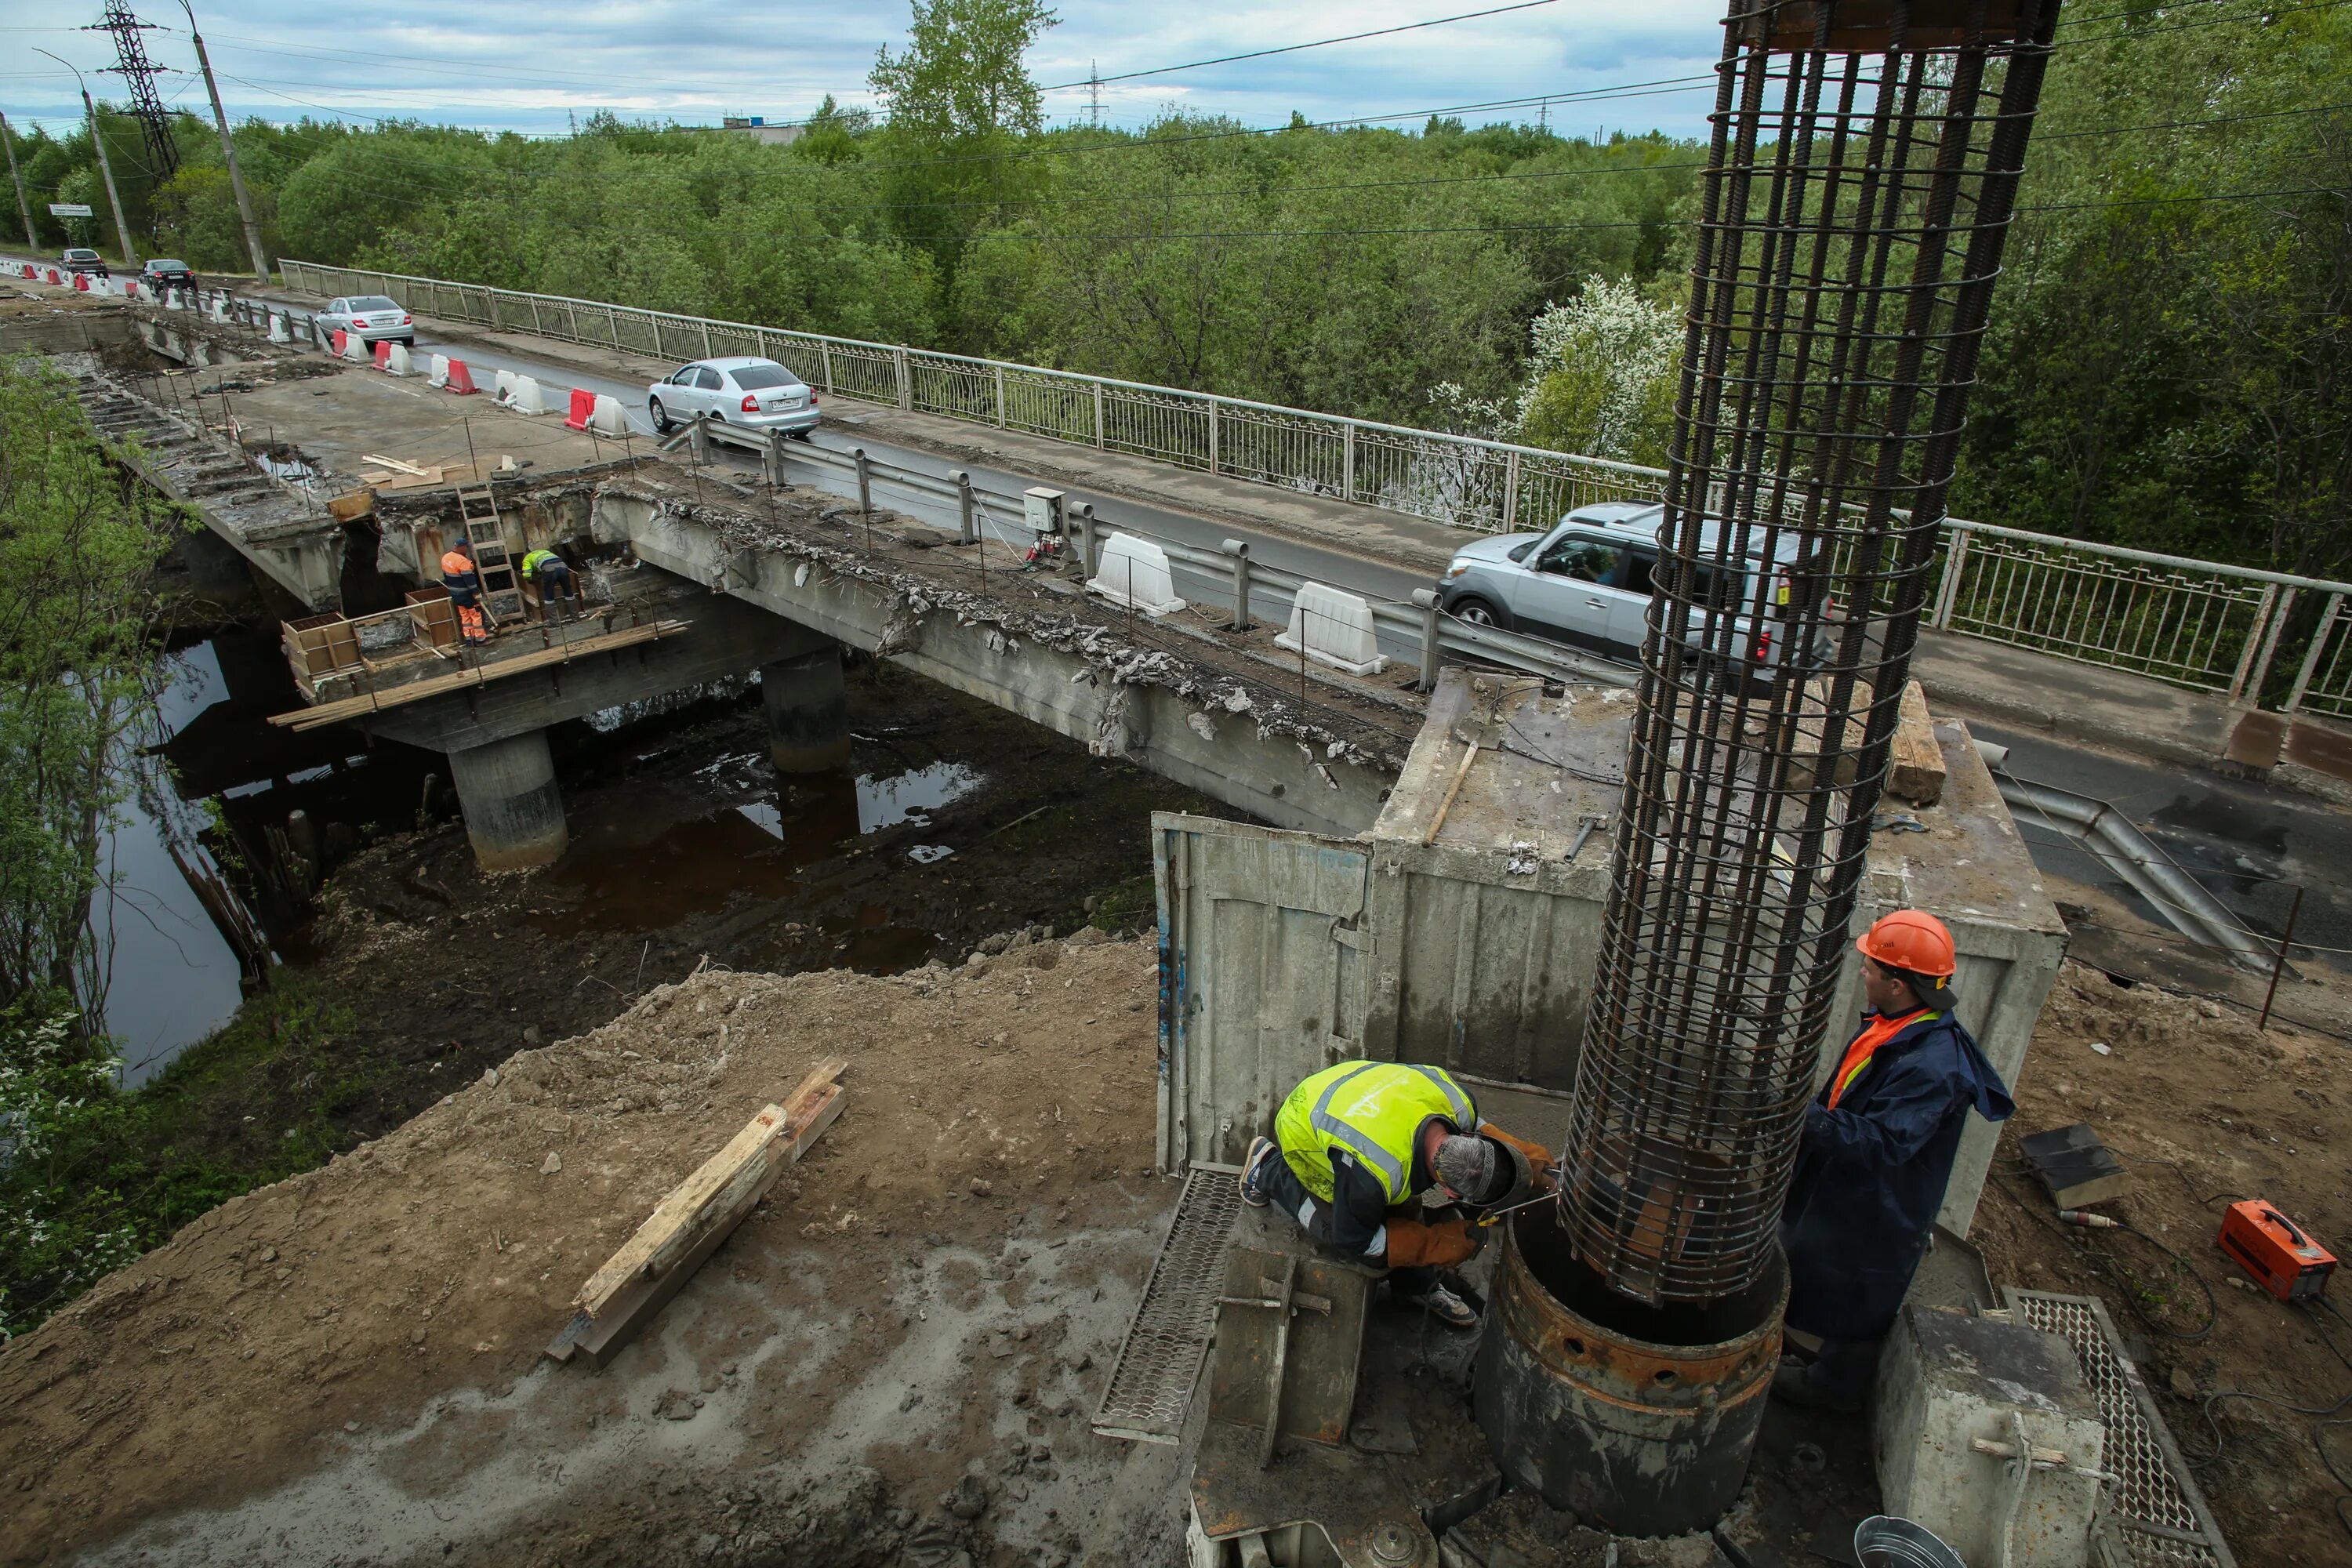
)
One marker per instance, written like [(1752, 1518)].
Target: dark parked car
[(165, 273), (81, 258)]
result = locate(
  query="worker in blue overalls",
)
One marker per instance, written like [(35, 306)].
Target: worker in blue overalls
[(1878, 1152)]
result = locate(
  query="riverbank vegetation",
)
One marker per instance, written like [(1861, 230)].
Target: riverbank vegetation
[(2170, 363)]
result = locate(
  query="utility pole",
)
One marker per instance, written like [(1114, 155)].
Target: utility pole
[(1094, 93), (228, 152), (24, 207), (138, 73), (105, 166)]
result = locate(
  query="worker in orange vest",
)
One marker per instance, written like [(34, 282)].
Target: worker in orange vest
[(1877, 1150), (465, 584)]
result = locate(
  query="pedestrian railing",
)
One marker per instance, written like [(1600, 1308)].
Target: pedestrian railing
[(2260, 638)]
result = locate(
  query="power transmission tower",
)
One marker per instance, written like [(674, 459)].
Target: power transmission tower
[(1094, 93), (138, 75)]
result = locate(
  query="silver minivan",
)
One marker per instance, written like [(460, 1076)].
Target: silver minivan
[(1587, 582)]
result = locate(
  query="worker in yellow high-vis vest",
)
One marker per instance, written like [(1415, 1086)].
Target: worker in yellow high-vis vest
[(1357, 1150)]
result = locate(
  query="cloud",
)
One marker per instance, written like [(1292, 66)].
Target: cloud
[(529, 65)]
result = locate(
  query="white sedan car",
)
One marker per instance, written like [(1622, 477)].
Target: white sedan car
[(375, 320), (759, 393)]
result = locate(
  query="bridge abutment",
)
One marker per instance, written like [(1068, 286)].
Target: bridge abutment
[(514, 810), (806, 700)]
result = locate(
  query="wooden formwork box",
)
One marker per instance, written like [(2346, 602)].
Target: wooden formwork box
[(318, 647), (433, 614)]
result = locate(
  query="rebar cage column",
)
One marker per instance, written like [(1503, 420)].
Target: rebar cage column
[(1860, 181)]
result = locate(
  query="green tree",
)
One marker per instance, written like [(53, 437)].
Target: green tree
[(1602, 376)]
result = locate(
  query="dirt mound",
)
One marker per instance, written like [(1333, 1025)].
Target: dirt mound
[(2203, 1109), (346, 1365)]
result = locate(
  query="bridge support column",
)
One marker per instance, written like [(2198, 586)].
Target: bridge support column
[(514, 813), (807, 704)]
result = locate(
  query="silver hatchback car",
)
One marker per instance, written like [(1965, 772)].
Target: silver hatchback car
[(759, 393), (1587, 582), (376, 319)]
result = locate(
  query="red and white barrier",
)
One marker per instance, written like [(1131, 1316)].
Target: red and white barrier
[(339, 341), (81, 282), (355, 349), (461, 380), (583, 408), (53, 276), (384, 356)]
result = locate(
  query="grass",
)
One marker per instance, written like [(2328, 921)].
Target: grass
[(252, 1103)]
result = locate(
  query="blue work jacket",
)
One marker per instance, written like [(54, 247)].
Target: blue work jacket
[(1870, 1175)]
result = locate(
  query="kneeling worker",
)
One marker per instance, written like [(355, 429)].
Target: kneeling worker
[(1878, 1152), (1356, 1143)]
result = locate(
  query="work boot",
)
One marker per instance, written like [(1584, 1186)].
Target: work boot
[(1445, 1307), (1802, 1384), (1260, 1149)]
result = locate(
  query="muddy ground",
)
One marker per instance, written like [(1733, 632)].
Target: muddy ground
[(345, 1367), (687, 846), (2201, 1108), (341, 1368)]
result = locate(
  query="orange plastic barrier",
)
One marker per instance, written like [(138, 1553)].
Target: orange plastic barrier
[(583, 405), (384, 356), (461, 380), (336, 342)]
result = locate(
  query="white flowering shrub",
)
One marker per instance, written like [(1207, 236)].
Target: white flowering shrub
[(1601, 375)]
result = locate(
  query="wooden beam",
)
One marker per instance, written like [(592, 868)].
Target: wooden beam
[(747, 1164), (633, 1301), (393, 463), (369, 702), (1914, 763)]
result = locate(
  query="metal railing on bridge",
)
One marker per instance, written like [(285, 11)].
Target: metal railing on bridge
[(2204, 625)]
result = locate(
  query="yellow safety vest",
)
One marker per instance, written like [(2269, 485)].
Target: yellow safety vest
[(1372, 1110)]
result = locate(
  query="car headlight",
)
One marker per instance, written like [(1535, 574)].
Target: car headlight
[(1456, 570)]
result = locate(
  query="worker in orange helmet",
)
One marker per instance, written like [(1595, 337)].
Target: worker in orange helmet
[(1877, 1150), (465, 584)]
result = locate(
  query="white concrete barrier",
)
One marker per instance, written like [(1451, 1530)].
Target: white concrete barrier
[(356, 349), (503, 389), (527, 398), (278, 333), (608, 419), (1134, 573), (172, 300), (1334, 628), (437, 373), (399, 363), (220, 308)]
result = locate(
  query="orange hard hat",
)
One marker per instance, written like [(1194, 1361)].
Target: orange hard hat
[(1911, 940)]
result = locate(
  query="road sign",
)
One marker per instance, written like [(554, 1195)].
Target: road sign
[(69, 209)]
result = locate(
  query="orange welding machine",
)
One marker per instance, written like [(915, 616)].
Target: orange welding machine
[(2268, 1246)]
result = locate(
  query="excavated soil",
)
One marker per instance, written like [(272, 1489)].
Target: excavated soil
[(2203, 1109), (894, 1360), (898, 1350)]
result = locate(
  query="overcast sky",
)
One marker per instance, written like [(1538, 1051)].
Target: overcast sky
[(526, 64)]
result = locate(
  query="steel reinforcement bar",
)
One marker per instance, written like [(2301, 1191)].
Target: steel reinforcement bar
[(1862, 168)]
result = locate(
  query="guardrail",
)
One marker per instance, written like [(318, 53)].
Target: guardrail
[(2230, 630), (1246, 589)]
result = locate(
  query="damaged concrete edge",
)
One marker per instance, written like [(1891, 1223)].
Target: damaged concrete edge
[(1186, 721)]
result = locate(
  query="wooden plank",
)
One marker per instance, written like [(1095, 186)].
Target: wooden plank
[(351, 505), (393, 463), (744, 1164), (359, 707), (1915, 762), (595, 1339)]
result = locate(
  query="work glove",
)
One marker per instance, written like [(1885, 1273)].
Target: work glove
[(1543, 1171), (1412, 1245)]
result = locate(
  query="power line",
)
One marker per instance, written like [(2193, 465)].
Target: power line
[(1294, 49)]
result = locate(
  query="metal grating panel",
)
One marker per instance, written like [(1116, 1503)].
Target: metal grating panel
[(1158, 1363), (2157, 1514)]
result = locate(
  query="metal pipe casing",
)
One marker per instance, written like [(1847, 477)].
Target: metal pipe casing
[(1634, 1436)]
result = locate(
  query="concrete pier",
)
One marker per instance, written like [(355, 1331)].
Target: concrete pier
[(514, 812), (807, 704)]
